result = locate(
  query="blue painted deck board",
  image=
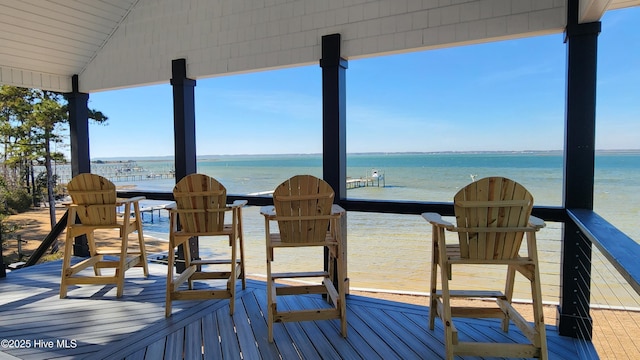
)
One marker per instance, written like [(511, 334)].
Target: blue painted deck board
[(134, 326)]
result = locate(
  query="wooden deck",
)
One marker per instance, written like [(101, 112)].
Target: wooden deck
[(92, 323)]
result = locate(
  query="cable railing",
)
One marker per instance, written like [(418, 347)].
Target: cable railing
[(615, 306), (614, 289)]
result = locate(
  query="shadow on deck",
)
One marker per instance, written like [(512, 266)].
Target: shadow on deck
[(92, 323)]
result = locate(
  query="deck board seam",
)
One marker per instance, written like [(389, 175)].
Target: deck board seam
[(178, 321)]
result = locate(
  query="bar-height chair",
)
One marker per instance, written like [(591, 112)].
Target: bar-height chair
[(492, 217), (306, 217), (200, 211), (95, 205)]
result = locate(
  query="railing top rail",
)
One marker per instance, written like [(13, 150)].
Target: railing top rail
[(547, 213), (621, 250)]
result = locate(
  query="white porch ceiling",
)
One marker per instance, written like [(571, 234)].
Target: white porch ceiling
[(592, 10), (44, 42)]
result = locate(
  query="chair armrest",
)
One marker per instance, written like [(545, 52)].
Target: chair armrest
[(268, 211), (238, 203), (437, 220), (171, 206), (121, 201), (337, 210), (536, 222)]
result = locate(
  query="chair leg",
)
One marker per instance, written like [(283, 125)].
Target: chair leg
[(243, 275), (241, 244), (270, 312), (270, 297), (231, 283), (270, 291), (447, 320), (538, 315), (169, 289), (536, 294), (508, 292), (66, 263), (186, 252), (122, 263), (342, 298), (143, 250), (333, 271), (93, 251), (434, 278)]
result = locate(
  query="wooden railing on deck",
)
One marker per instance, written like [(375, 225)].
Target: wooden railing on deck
[(49, 240), (621, 251)]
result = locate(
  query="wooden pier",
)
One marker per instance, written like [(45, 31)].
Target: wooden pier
[(117, 171), (152, 210), (155, 208), (373, 178)]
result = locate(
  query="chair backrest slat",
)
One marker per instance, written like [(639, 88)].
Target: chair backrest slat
[(200, 200), (493, 202), (302, 205), (95, 197)]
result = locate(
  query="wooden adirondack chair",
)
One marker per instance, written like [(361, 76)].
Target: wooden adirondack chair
[(200, 211), (306, 217), (95, 205), (492, 217)]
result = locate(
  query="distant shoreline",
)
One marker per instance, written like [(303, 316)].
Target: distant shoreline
[(226, 156)]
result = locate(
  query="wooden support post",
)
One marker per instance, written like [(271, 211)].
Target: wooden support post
[(573, 313), (184, 124), (334, 124), (334, 116), (79, 140), (184, 120)]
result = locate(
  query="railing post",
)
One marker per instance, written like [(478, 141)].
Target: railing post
[(49, 240), (3, 271), (574, 319)]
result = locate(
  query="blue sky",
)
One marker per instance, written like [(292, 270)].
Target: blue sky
[(505, 95)]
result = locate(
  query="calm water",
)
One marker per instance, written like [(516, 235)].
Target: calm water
[(393, 251)]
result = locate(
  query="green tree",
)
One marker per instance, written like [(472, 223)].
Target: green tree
[(15, 110), (47, 121), (32, 121)]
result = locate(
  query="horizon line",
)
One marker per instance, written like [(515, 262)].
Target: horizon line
[(201, 157)]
